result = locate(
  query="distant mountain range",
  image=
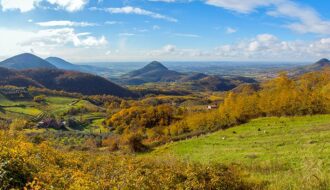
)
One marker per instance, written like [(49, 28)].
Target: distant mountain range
[(157, 72), (29, 70), (26, 61), (55, 73), (30, 61), (317, 66), (63, 64)]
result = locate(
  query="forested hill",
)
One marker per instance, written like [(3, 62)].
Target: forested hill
[(153, 72), (26, 61), (69, 81), (317, 66)]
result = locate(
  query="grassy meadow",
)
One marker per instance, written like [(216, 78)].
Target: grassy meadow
[(284, 153)]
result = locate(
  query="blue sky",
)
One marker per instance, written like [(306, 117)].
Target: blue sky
[(166, 30)]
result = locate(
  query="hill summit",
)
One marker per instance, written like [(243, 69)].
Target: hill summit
[(155, 65), (323, 62), (317, 66), (73, 81), (26, 61), (153, 72)]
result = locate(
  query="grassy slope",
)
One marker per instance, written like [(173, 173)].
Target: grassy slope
[(290, 153), (19, 109)]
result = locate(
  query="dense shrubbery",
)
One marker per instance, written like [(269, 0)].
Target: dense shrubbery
[(23, 164), (136, 124), (103, 100), (282, 96), (40, 99), (139, 118), (38, 91)]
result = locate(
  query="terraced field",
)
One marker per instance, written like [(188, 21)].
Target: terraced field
[(53, 106)]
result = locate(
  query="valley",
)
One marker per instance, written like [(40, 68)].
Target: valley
[(244, 131), (164, 95)]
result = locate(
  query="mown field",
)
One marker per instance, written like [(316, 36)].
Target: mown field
[(284, 153)]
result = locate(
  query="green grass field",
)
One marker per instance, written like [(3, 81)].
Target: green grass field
[(17, 109), (287, 153), (26, 110)]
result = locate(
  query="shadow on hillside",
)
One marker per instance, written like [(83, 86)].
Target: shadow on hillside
[(2, 110)]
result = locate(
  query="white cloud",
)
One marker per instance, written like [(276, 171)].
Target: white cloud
[(52, 38), (141, 30), (269, 47), (156, 27), (186, 35), (63, 42), (246, 6), (261, 47), (21, 5), (304, 18), (69, 5), (230, 30), (178, 53), (126, 34), (166, 1), (56, 23), (91, 41), (137, 11), (29, 5), (113, 22), (320, 48), (10, 40), (169, 48)]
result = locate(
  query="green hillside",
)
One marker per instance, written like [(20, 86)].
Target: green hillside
[(287, 153)]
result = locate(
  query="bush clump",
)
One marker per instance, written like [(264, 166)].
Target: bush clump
[(24, 164)]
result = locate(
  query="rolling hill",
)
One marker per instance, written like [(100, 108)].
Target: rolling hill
[(15, 78), (26, 70), (72, 81), (63, 64), (69, 81), (217, 83), (26, 61), (317, 66), (153, 72), (193, 77), (156, 72)]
